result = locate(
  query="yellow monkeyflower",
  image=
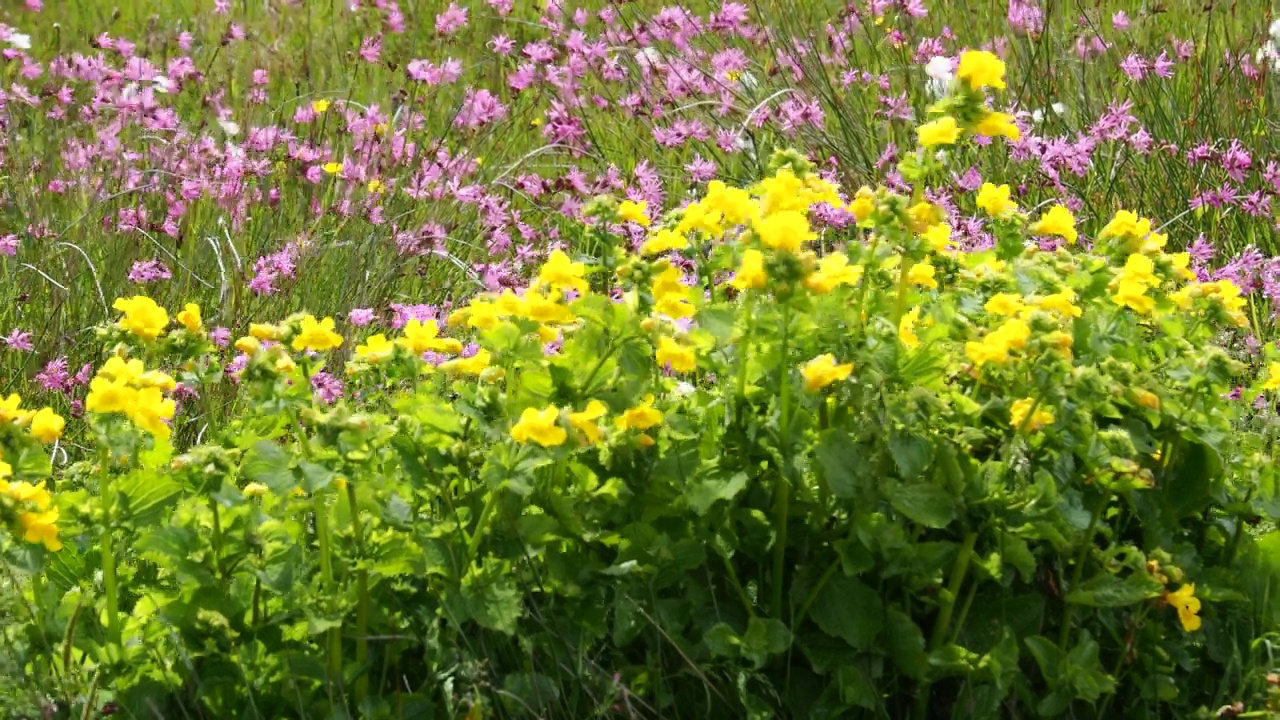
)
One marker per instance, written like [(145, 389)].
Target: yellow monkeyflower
[(333, 168), (923, 215), (1058, 221), (994, 124), (190, 317), (1021, 417), (995, 200), (562, 274), (117, 368), (109, 396), (248, 345), (833, 270), (1004, 304), (734, 204), (750, 275), (981, 69), (922, 274), (11, 408), (419, 337), (264, 331), (585, 421), (1147, 399), (864, 203), (473, 365), (1061, 303), (539, 426), (662, 241), (938, 235), (317, 335), (376, 187), (636, 212), (142, 316), (785, 230), (1126, 225), (376, 348), (1273, 377), (47, 425), (642, 416), (25, 492), (906, 328), (1184, 600), (320, 106), (943, 131), (822, 371), (149, 411), (1133, 295), (41, 527), (255, 490), (682, 358)]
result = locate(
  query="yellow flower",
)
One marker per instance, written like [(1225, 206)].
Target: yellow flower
[(786, 230), (142, 316), (319, 106), (544, 309), (1058, 221), (480, 314), (317, 335), (333, 168), (943, 131), (539, 426), (248, 345), (11, 408), (998, 123), (833, 270), (1184, 600), (1060, 303), (1273, 377), (734, 204), (109, 396), (41, 527), (562, 274), (675, 307), (263, 331), (255, 489), (668, 283), (922, 274), (419, 337), (923, 215), (1018, 416), (47, 425), (376, 187), (190, 317), (1182, 265), (150, 409), (750, 275), (1004, 304), (1126, 225), (995, 347), (6, 470), (1139, 269), (155, 379), (1147, 399), (642, 416), (682, 358), (864, 203), (636, 212), (782, 192), (585, 421), (995, 200), (376, 349), (25, 492), (662, 241), (822, 371), (1132, 294), (981, 69), (906, 328), (938, 236), (473, 365)]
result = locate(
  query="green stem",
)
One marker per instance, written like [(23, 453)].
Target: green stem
[(362, 596), (108, 553), (217, 539), (1064, 634), (477, 536), (326, 574), (947, 605), (746, 346), (782, 489)]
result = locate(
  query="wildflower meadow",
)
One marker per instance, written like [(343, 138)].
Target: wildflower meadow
[(496, 359)]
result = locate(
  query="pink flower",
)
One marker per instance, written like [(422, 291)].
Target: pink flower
[(360, 317), (148, 271), (1120, 21), (479, 107), (19, 340), (9, 245), (451, 20)]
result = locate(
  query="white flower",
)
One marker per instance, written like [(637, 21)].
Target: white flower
[(1274, 30), (229, 127), (1058, 108), (19, 40), (161, 84), (940, 75), (682, 389), (749, 81)]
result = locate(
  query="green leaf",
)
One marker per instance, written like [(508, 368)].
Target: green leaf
[(702, 494), (924, 503), (722, 640), (527, 692), (719, 322), (844, 464), (905, 642), (145, 497), (847, 608), (315, 476), (1188, 488), (268, 463), (911, 453), (1113, 591), (855, 687), (494, 602), (1048, 657), (764, 638)]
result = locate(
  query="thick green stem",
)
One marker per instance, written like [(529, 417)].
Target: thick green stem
[(745, 345), (1064, 634), (782, 489), (326, 574), (362, 597), (946, 606), (477, 535), (108, 553), (217, 539)]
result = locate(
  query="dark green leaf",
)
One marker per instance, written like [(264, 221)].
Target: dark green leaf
[(905, 642), (924, 503), (1113, 591), (849, 609)]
